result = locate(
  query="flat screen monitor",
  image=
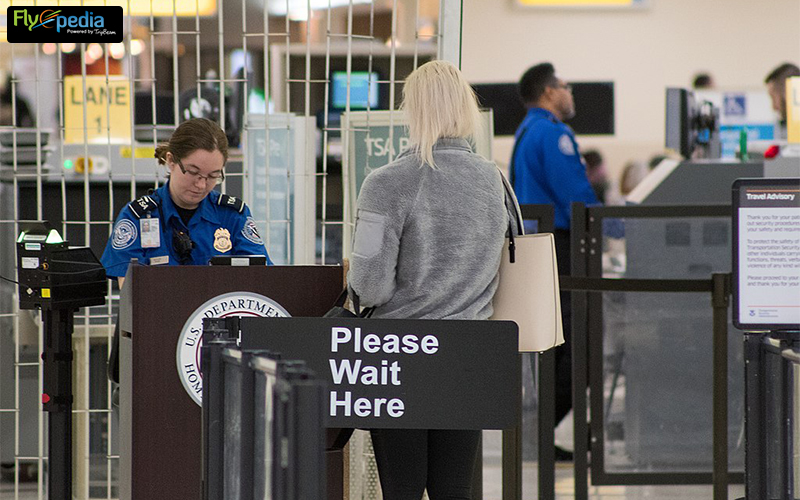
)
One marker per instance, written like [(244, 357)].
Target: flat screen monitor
[(594, 108), (238, 260), (594, 105), (504, 100), (680, 133), (766, 274), (364, 91)]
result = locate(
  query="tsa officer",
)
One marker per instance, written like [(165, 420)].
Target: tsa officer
[(547, 168), (184, 222)]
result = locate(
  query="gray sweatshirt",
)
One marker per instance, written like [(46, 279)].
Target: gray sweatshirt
[(428, 242)]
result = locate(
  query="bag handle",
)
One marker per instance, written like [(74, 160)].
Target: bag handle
[(512, 205), (365, 313)]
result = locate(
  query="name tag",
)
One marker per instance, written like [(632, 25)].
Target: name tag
[(163, 259), (151, 234)]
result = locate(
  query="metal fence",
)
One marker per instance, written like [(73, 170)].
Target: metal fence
[(78, 125)]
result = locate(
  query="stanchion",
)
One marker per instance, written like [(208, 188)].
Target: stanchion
[(57, 400)]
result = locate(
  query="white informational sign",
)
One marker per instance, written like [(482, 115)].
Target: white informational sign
[(767, 254)]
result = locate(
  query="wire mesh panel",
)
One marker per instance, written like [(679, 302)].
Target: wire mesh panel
[(78, 128)]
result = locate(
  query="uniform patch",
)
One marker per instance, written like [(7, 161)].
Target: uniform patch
[(565, 145), (124, 234), (222, 240), (250, 231)]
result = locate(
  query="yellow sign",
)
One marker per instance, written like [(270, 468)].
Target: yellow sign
[(139, 152), (138, 7), (108, 110), (793, 109), (579, 3)]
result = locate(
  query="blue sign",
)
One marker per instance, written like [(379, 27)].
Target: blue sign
[(735, 105)]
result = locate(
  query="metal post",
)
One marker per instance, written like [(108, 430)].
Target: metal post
[(580, 350), (719, 298), (450, 12), (547, 417), (57, 400), (754, 462), (512, 457)]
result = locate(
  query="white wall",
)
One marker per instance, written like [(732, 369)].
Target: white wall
[(642, 50)]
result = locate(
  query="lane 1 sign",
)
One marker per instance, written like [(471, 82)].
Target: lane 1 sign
[(108, 110)]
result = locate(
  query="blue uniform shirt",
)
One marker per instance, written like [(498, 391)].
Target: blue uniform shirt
[(548, 168), (215, 230)]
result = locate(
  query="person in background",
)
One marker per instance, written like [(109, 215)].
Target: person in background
[(703, 81), (430, 229), (596, 172), (776, 86), (185, 221), (632, 174), (547, 168), (14, 109)]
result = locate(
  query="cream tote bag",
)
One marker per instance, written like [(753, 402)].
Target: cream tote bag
[(528, 293)]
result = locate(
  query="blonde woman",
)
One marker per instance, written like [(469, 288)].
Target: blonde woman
[(428, 240)]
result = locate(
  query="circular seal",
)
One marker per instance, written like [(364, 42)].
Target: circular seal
[(191, 339), (124, 234), (565, 145), (250, 231)]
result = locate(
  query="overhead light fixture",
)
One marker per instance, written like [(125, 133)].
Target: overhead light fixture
[(116, 50), (68, 47), (137, 47), (49, 48), (292, 8)]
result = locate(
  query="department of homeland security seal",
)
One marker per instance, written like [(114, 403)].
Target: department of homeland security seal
[(191, 338)]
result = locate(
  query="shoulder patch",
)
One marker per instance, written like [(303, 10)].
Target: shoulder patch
[(142, 205), (250, 231), (231, 202), (124, 234), (565, 145)]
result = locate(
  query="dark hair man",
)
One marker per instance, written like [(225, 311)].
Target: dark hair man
[(776, 86), (547, 168)]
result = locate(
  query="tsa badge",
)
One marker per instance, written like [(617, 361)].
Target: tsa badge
[(222, 240)]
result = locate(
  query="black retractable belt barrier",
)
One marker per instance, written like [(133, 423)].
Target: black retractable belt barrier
[(263, 422)]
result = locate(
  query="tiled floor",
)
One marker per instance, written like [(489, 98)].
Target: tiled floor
[(565, 486)]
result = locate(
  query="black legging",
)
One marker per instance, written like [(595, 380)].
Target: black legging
[(410, 460)]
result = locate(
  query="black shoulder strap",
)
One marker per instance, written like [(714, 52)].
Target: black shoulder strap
[(511, 173), (231, 202), (141, 206)]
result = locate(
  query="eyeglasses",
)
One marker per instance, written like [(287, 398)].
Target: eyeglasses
[(565, 86), (212, 178)]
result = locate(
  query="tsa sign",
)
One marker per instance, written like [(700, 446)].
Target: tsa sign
[(107, 103)]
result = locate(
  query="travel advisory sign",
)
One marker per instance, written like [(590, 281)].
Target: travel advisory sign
[(191, 338)]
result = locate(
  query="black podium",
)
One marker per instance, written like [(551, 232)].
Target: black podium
[(160, 419)]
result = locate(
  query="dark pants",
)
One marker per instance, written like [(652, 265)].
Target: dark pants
[(563, 353), (410, 460)]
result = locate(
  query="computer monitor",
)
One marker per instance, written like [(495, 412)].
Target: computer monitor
[(364, 90), (691, 125), (238, 260), (504, 100), (594, 108), (594, 105)]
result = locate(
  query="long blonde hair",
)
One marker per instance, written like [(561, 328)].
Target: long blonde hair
[(438, 102)]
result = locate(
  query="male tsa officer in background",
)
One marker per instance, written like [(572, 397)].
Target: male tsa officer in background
[(185, 222), (547, 168)]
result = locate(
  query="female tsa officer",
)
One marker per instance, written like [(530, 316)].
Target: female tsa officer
[(185, 221)]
